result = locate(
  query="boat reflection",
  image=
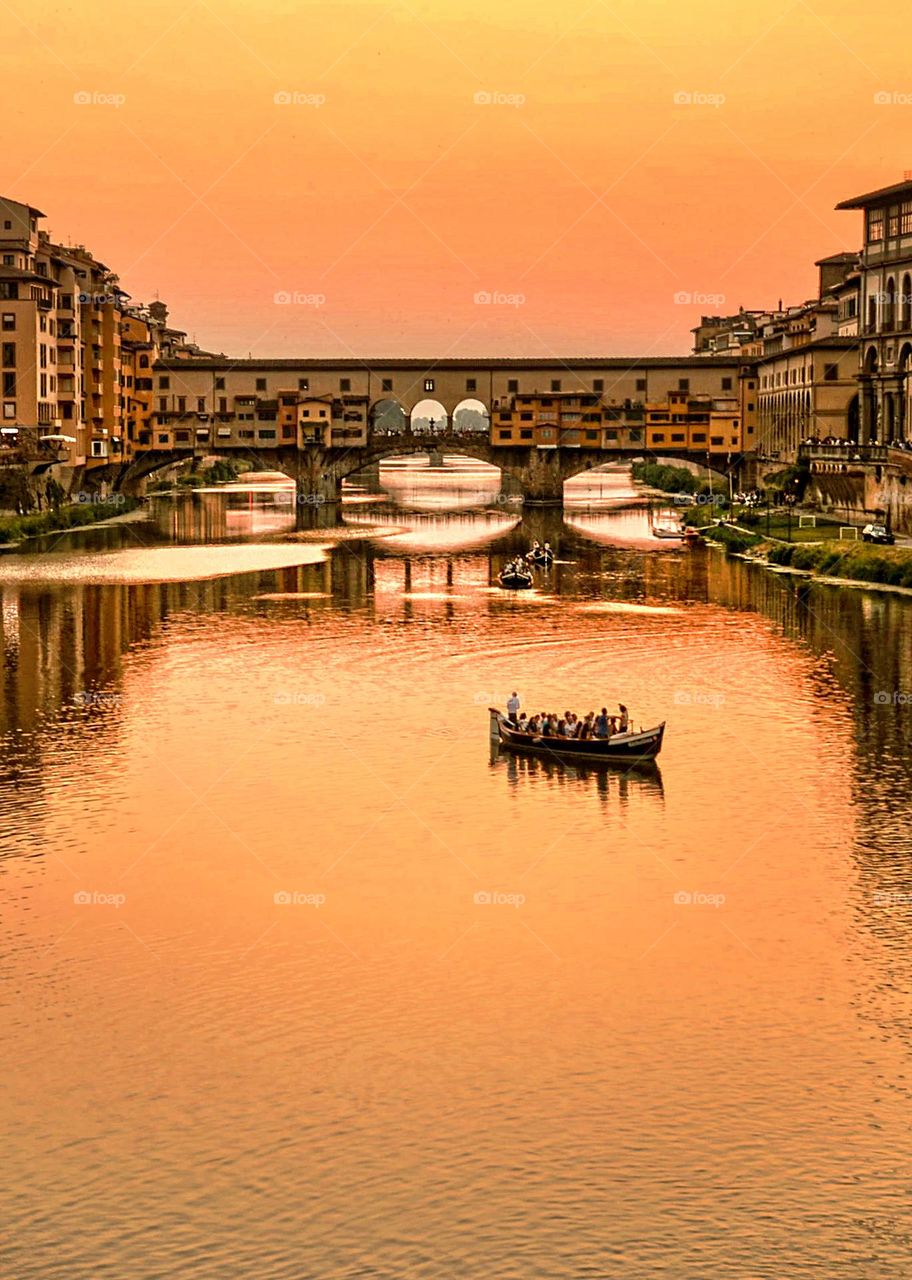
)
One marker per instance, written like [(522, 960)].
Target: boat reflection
[(604, 780)]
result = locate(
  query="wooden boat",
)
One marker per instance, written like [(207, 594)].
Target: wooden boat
[(692, 537), (542, 558), (515, 581), (620, 748), (667, 531)]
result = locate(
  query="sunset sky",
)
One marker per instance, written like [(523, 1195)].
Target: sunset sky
[(584, 192)]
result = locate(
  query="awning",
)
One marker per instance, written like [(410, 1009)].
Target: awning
[(9, 431), (56, 439)]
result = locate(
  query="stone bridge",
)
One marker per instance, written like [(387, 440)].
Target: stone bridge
[(539, 474)]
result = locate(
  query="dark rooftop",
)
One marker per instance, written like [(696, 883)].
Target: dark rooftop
[(903, 188)]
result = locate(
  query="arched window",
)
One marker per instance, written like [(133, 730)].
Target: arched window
[(889, 309), (905, 302)]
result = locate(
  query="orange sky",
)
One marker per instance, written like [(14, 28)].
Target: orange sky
[(398, 198)]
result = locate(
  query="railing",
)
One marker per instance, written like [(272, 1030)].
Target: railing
[(844, 452)]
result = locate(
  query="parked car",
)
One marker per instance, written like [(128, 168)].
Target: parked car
[(878, 533)]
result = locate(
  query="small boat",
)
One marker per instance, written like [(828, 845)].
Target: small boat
[(620, 748), (542, 558), (667, 530), (692, 537), (515, 581)]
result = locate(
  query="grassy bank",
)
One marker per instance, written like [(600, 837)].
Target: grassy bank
[(73, 516), (891, 566)]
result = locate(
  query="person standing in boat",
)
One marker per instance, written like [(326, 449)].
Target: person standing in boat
[(623, 720), (602, 727), (513, 705)]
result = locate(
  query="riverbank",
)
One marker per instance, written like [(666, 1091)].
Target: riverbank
[(78, 515), (852, 563)]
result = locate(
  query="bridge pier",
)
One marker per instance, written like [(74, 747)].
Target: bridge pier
[(318, 492)]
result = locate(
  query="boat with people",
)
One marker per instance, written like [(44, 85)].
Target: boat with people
[(569, 738), (515, 576), (541, 556)]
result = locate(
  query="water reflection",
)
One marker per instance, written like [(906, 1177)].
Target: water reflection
[(205, 744)]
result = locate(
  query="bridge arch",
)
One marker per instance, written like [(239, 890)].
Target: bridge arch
[(428, 416), (471, 415), (389, 416)]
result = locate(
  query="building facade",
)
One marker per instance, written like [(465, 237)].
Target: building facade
[(885, 312)]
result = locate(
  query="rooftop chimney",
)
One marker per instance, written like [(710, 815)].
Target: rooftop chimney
[(907, 175)]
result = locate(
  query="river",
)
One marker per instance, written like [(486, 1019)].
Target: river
[(301, 982)]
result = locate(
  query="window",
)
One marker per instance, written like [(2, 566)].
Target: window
[(345, 384), (7, 225), (143, 362), (513, 385), (598, 384), (245, 434), (677, 438), (303, 384), (875, 225), (555, 384), (164, 382), (683, 384), (641, 384), (429, 384), (9, 410), (699, 437), (905, 218), (893, 221), (9, 260), (658, 437), (223, 404), (525, 417), (200, 404), (726, 384), (750, 407), (163, 437), (526, 433), (220, 384), (504, 435), (386, 385), (9, 355), (9, 384), (9, 290), (830, 372), (267, 434), (716, 440), (471, 384), (261, 384), (163, 404), (9, 321)]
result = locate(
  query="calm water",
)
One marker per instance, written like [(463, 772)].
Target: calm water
[(300, 983)]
